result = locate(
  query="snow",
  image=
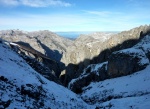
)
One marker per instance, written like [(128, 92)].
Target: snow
[(18, 73), (127, 92), (141, 102), (98, 38), (131, 90), (136, 52), (93, 69), (14, 44)]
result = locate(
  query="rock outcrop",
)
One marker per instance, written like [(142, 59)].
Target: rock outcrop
[(93, 73), (126, 62)]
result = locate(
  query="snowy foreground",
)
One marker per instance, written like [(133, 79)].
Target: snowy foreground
[(21, 87)]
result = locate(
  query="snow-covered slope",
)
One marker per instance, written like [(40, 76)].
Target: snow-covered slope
[(128, 92), (21, 87)]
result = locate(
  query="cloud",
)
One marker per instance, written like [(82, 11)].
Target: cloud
[(9, 2), (99, 13), (54, 22), (87, 20), (68, 22), (35, 3), (102, 13)]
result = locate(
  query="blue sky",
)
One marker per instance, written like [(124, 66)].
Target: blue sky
[(73, 15)]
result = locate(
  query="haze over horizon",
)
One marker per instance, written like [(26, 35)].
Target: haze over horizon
[(73, 15)]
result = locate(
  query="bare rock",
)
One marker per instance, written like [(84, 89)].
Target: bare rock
[(126, 62), (93, 73), (95, 49)]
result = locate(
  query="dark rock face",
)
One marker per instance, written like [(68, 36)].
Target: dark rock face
[(126, 62), (92, 73)]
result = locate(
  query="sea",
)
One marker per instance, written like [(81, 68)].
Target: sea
[(74, 34)]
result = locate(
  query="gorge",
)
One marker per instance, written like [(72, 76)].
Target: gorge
[(41, 66)]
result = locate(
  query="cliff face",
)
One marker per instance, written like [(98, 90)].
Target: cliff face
[(97, 49)]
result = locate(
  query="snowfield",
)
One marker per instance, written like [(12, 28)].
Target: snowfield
[(21, 87)]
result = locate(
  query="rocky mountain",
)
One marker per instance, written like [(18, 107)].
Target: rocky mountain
[(105, 70), (21, 87), (98, 84), (120, 63), (83, 47), (92, 50), (45, 42), (78, 56)]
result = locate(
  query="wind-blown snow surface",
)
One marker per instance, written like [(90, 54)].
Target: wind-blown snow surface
[(21, 87)]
